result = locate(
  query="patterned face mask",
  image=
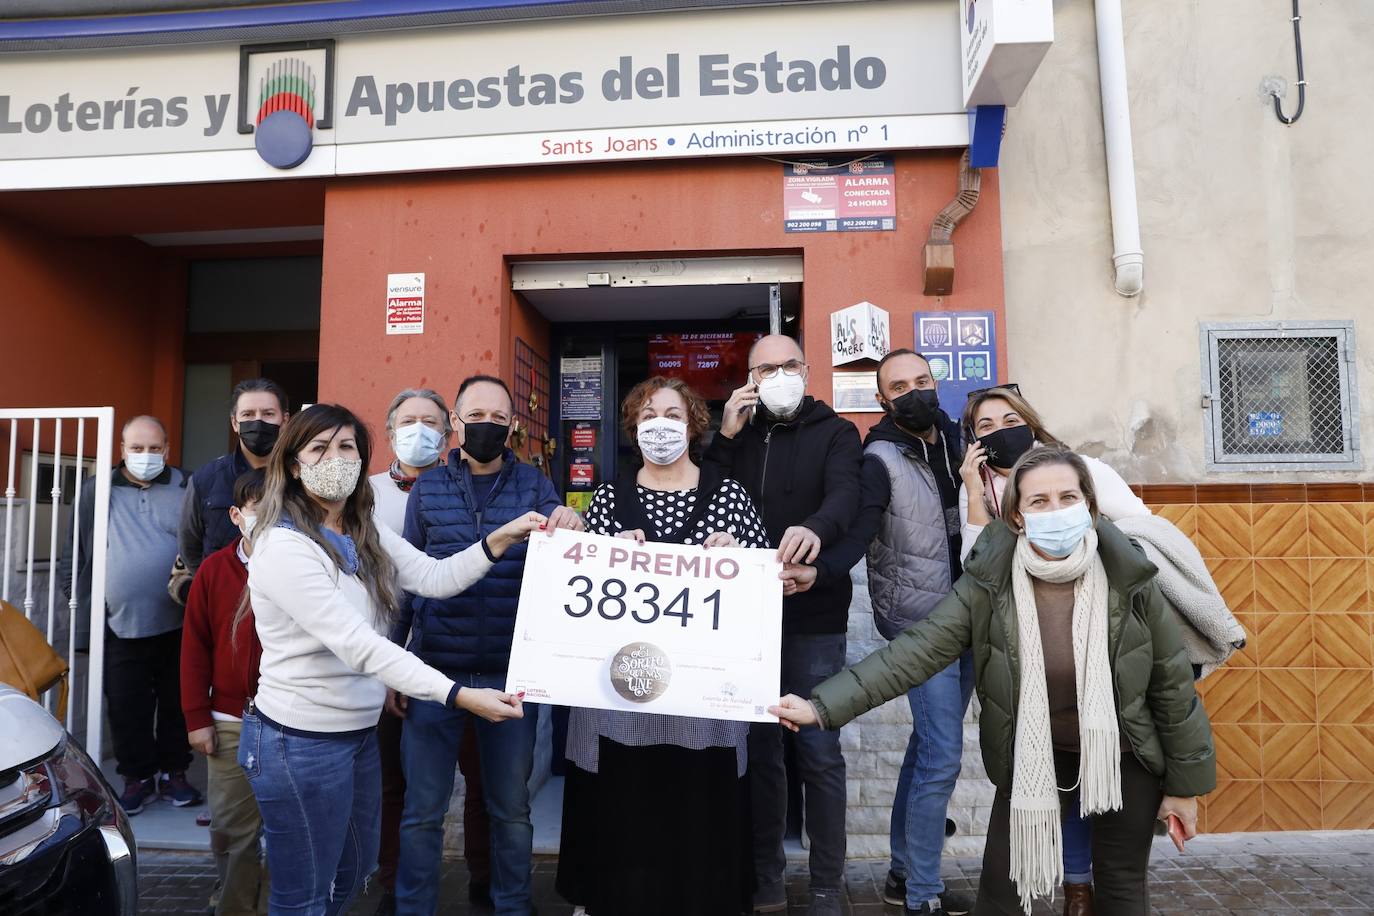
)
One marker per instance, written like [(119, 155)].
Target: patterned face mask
[(662, 440), (331, 479)]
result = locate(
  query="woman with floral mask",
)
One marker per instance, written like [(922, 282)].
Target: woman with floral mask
[(325, 582), (1083, 680), (681, 778)]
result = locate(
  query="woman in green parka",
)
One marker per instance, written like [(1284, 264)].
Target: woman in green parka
[(1082, 680)]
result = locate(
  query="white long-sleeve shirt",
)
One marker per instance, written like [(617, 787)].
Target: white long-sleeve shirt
[(326, 662), (1114, 500)]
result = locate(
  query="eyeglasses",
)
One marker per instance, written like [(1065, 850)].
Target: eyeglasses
[(768, 370), (1006, 386)]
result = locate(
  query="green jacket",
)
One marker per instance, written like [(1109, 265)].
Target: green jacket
[(1159, 711)]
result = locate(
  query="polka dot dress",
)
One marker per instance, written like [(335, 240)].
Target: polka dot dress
[(731, 510)]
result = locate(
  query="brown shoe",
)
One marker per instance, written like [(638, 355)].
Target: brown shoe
[(1078, 900)]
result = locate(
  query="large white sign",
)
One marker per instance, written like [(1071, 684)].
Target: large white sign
[(845, 76), (606, 623)]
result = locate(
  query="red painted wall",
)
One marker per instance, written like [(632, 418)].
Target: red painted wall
[(463, 228), (90, 323)]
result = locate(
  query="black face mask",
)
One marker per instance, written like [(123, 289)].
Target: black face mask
[(483, 442), (1007, 445), (917, 410), (258, 436)]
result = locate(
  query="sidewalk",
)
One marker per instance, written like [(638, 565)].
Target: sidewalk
[(1239, 873)]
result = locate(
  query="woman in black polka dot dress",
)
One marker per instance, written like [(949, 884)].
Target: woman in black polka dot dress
[(655, 814)]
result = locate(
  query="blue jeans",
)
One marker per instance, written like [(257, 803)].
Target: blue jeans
[(320, 799), (929, 772), (807, 659), (429, 753), (1078, 841)]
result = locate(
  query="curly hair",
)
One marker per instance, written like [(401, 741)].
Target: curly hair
[(698, 414)]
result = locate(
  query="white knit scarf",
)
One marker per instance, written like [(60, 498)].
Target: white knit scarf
[(1037, 860)]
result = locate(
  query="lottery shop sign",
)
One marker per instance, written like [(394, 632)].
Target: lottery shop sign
[(680, 630)]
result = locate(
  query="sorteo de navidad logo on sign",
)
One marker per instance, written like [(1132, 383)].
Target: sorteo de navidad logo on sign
[(286, 93)]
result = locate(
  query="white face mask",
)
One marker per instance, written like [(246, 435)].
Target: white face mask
[(145, 465), (782, 394), (332, 479), (662, 440), (246, 529), (418, 445), (1058, 532)]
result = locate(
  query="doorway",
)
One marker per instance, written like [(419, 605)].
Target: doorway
[(246, 318)]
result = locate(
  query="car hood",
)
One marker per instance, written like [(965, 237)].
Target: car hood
[(27, 732)]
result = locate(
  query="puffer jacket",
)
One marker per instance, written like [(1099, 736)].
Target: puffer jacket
[(1159, 712), (470, 633)]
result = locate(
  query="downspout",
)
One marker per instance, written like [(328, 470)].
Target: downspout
[(939, 250), (1127, 255)]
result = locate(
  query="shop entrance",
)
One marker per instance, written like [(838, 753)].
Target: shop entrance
[(614, 324)]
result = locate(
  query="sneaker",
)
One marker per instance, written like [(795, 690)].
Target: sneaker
[(178, 791), (771, 900), (824, 903), (894, 889), (948, 904), (137, 792)]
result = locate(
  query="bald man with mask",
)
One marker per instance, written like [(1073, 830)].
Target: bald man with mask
[(143, 623), (800, 462)]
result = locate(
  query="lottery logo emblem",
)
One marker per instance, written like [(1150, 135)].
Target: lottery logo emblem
[(640, 672)]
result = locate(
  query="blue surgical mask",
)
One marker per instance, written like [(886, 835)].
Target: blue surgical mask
[(145, 465), (418, 445), (1058, 533)]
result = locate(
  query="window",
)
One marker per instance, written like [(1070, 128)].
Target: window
[(1280, 396)]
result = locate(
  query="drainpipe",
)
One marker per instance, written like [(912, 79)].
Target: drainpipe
[(1127, 255)]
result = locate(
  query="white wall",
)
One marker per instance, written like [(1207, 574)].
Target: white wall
[(1241, 217)]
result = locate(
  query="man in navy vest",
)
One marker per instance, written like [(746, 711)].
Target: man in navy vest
[(258, 408), (468, 637)]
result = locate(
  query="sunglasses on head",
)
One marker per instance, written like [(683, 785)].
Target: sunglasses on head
[(1006, 386)]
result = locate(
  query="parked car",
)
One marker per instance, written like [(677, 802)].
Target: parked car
[(65, 844)]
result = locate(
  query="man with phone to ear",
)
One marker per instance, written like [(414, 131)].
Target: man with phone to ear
[(800, 462)]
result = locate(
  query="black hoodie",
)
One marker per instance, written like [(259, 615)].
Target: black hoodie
[(803, 471), (943, 457)]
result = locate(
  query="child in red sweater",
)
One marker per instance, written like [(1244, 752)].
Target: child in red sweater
[(219, 671)]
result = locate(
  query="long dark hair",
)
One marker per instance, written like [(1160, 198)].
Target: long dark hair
[(285, 497)]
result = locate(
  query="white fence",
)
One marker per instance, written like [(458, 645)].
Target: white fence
[(41, 523)]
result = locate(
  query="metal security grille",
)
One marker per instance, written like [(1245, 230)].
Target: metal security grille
[(1281, 396)]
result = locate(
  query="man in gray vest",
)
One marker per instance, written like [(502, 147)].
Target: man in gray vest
[(908, 522)]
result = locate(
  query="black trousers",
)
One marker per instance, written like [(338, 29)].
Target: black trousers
[(143, 700), (1121, 845)]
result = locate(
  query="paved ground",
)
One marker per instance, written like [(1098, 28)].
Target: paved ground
[(1251, 874)]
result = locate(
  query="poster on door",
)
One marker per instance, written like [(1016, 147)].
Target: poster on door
[(962, 350), (579, 382), (819, 195)]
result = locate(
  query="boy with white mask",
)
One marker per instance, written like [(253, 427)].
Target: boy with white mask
[(799, 462), (218, 673)]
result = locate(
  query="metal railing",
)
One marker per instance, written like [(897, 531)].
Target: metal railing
[(23, 544)]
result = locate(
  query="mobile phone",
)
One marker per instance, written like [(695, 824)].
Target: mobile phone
[(1175, 830)]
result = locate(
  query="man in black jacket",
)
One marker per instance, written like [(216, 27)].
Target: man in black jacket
[(800, 463)]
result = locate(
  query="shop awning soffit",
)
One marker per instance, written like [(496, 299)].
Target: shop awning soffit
[(47, 25)]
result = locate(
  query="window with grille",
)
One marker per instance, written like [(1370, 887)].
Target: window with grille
[(1280, 396)]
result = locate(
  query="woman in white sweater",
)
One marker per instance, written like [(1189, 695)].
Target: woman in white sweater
[(999, 427), (325, 582)]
